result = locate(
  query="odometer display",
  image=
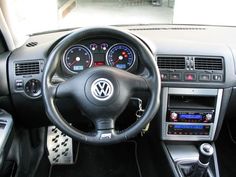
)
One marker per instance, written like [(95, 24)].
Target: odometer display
[(120, 56), (78, 58)]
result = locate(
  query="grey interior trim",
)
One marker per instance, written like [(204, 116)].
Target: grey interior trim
[(5, 119), (196, 92), (217, 174), (6, 32), (4, 90), (183, 152), (192, 91), (217, 112), (163, 111), (171, 164)]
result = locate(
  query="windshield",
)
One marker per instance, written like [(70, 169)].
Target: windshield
[(34, 16)]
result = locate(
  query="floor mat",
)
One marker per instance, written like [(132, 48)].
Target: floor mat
[(101, 161), (226, 154)]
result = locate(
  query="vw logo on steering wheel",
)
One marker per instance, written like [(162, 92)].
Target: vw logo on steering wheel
[(102, 89)]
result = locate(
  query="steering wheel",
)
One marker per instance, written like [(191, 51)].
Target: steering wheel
[(102, 93)]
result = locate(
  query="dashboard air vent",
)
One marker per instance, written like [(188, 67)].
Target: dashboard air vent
[(31, 44), (26, 68), (208, 63), (171, 62)]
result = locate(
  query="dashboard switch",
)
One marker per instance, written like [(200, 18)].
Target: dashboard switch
[(19, 84), (190, 77), (204, 77), (175, 76), (164, 76), (217, 77), (33, 88)]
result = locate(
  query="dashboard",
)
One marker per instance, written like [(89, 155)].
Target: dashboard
[(196, 63)]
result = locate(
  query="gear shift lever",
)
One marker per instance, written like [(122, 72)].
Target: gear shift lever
[(205, 153), (200, 168)]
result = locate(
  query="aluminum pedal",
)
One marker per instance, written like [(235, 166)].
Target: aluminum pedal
[(60, 147)]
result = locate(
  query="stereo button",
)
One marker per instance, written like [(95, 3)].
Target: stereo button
[(208, 117), (174, 116)]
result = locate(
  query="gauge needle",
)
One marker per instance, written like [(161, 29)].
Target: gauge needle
[(115, 62), (75, 61), (119, 58)]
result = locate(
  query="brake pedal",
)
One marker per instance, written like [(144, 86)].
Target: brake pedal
[(59, 146)]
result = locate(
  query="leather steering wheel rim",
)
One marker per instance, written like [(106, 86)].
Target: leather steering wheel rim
[(150, 82)]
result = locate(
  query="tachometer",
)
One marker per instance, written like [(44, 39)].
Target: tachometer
[(120, 56), (78, 58)]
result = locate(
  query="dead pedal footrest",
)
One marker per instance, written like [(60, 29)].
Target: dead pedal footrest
[(59, 146)]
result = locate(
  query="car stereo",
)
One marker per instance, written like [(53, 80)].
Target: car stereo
[(190, 114), (193, 116)]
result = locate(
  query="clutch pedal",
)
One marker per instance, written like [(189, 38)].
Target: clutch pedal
[(60, 147)]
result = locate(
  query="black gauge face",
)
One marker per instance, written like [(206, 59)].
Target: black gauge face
[(120, 56), (78, 58)]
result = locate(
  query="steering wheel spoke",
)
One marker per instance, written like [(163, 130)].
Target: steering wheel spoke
[(63, 90), (136, 82), (105, 128), (104, 124), (140, 84)]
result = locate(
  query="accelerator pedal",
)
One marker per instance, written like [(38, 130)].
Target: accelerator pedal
[(60, 147)]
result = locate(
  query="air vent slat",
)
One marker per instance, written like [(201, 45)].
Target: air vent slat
[(32, 44), (208, 64), (171, 62), (27, 68)]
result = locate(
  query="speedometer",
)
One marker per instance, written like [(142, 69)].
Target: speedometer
[(77, 58), (120, 56)]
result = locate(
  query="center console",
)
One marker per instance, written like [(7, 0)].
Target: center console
[(190, 114), (190, 117)]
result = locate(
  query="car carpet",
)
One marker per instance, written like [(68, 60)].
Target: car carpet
[(101, 161), (226, 153)]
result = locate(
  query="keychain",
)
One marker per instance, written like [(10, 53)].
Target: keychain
[(139, 113)]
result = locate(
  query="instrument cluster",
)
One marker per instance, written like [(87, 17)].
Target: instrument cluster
[(95, 53)]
